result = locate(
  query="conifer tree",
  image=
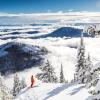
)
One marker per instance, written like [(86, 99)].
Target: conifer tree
[(17, 85), (92, 74), (94, 82), (96, 92), (88, 74), (80, 67), (48, 74), (62, 78)]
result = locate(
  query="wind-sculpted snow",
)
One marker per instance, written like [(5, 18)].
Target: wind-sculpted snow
[(18, 56)]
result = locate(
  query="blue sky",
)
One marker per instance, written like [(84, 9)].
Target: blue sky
[(41, 6)]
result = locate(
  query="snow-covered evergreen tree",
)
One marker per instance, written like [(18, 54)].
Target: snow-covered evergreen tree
[(95, 77), (80, 67), (96, 92), (48, 74), (88, 74), (95, 83), (62, 78), (23, 83), (5, 93), (17, 85), (91, 30)]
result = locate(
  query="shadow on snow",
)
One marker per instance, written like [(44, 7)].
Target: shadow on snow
[(57, 90), (74, 91)]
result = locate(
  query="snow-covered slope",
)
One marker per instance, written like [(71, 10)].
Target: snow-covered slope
[(48, 91)]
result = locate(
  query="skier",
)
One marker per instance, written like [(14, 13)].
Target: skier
[(32, 81)]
